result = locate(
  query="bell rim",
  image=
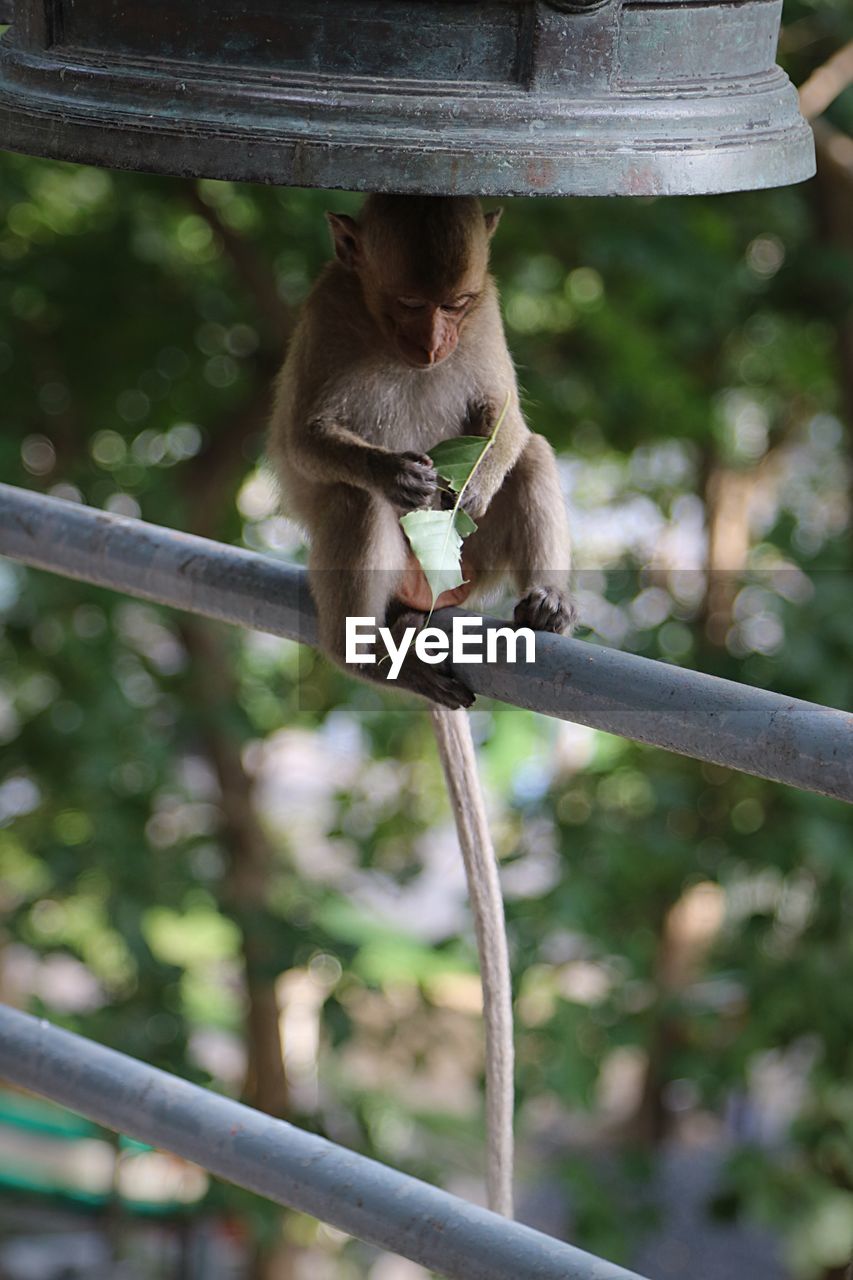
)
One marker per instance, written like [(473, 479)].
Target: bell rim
[(788, 159), (104, 112)]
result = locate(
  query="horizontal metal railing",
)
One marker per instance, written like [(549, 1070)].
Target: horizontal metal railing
[(285, 1164), (753, 730)]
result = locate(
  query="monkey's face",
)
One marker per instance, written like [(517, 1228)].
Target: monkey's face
[(420, 319), (425, 331), (422, 266)]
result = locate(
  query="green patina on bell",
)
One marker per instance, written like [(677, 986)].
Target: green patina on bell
[(497, 97)]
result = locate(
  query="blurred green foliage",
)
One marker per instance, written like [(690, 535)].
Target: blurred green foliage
[(677, 930)]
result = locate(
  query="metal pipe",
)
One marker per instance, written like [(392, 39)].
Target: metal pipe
[(360, 1196), (754, 730)]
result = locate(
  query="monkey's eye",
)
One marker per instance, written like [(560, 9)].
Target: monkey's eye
[(454, 308), (411, 304)]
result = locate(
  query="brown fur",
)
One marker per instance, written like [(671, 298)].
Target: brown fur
[(428, 242)]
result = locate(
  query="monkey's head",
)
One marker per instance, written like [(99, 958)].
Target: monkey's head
[(422, 263)]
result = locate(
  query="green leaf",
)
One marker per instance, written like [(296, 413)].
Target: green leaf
[(455, 459), (436, 539), (436, 536)]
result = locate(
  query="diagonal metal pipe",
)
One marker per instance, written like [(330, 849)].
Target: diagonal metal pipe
[(753, 730), (285, 1164)]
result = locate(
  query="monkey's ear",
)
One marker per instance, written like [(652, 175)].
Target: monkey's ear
[(492, 219), (346, 237)]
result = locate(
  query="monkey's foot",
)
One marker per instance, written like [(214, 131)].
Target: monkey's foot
[(546, 609), (437, 683)]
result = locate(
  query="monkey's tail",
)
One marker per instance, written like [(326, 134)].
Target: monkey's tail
[(459, 762)]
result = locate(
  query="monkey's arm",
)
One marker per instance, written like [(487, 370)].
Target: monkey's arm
[(326, 450), (505, 450)]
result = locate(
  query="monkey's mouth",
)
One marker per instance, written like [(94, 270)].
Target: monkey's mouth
[(417, 359)]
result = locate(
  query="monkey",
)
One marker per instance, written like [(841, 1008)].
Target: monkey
[(399, 345)]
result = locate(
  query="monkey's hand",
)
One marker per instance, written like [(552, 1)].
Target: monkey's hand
[(480, 418), (408, 480), (473, 501)]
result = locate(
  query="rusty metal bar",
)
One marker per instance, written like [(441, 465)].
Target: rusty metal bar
[(753, 730), (285, 1164)]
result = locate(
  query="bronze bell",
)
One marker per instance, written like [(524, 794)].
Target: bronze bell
[(498, 97)]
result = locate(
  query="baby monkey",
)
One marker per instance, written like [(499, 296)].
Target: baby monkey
[(400, 345)]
